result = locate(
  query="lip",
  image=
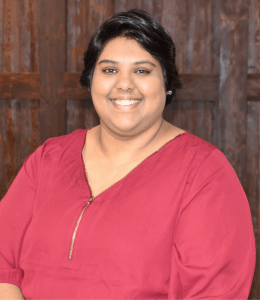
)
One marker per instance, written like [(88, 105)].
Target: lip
[(126, 99)]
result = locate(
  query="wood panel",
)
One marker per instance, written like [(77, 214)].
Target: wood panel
[(51, 16), (20, 85), (233, 74), (253, 182), (199, 87), (215, 65), (254, 38), (253, 134), (253, 87), (175, 20), (19, 137), (19, 118), (29, 42), (198, 58), (124, 5), (10, 37), (81, 114), (215, 38), (18, 38), (154, 7), (191, 25), (83, 19), (183, 114)]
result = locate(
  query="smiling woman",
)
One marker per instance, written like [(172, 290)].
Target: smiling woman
[(136, 25), (129, 67), (114, 92), (134, 208)]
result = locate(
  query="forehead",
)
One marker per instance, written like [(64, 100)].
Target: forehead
[(123, 48)]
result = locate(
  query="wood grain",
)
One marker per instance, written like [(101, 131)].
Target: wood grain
[(253, 134), (233, 75), (83, 19), (254, 38), (19, 137), (199, 87), (253, 181), (52, 61), (253, 87), (125, 5), (215, 37), (191, 25), (81, 114), (19, 87), (183, 113), (175, 20)]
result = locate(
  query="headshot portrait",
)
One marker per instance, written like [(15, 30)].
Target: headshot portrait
[(128, 150)]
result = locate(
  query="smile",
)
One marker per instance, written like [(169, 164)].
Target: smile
[(125, 104)]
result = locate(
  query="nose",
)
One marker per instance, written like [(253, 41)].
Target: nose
[(125, 81)]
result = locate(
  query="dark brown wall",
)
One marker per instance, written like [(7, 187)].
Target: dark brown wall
[(218, 55)]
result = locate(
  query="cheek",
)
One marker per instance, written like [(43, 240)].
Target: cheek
[(153, 89), (99, 85)]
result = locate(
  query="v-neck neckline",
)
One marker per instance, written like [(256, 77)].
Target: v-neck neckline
[(83, 168)]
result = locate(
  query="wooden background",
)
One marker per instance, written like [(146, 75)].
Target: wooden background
[(218, 56)]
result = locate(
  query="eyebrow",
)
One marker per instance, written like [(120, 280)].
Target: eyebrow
[(135, 63)]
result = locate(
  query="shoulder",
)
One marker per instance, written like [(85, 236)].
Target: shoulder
[(53, 149), (199, 157), (196, 142), (205, 150), (196, 148), (208, 171), (64, 139), (57, 145), (211, 165), (75, 137)]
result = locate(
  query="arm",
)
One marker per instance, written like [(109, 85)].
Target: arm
[(214, 245), (10, 291), (16, 211)]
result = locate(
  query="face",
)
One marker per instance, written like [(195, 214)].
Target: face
[(119, 74)]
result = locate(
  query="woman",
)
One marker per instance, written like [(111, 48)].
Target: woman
[(134, 208)]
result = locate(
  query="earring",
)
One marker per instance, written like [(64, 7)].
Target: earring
[(169, 92)]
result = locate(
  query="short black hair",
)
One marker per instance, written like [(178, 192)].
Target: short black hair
[(139, 25)]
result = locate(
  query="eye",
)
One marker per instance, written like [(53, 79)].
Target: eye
[(113, 71), (105, 71), (144, 71)]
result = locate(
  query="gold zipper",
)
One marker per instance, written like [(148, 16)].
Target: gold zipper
[(77, 226)]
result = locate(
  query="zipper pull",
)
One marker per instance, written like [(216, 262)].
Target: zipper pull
[(91, 199)]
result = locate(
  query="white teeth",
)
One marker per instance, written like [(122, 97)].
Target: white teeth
[(126, 102)]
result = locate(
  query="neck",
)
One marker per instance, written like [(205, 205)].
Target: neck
[(124, 148)]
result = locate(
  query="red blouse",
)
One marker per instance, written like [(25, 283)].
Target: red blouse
[(178, 226)]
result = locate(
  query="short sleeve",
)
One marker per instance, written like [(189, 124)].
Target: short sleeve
[(214, 245), (16, 209)]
